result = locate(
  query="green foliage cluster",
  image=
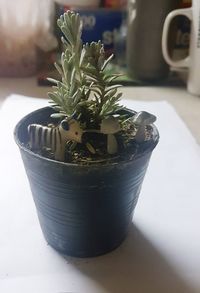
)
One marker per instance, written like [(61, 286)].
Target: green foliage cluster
[(85, 89)]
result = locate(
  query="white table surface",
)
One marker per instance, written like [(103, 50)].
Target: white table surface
[(162, 251)]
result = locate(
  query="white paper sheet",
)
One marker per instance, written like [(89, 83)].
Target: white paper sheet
[(162, 250)]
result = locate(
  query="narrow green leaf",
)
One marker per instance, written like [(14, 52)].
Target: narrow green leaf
[(107, 61), (54, 97), (111, 78), (52, 80), (58, 69), (115, 86), (67, 34), (58, 115)]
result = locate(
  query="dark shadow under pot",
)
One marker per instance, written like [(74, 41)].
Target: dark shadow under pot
[(83, 210)]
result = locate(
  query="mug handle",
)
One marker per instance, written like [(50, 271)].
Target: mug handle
[(180, 63)]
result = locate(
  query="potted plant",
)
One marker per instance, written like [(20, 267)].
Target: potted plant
[(86, 155)]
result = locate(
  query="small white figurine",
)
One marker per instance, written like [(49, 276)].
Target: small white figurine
[(141, 120), (110, 126), (55, 138)]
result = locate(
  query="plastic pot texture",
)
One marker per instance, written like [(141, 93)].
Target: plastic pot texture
[(83, 210)]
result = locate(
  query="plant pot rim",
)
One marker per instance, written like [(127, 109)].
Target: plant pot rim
[(95, 165)]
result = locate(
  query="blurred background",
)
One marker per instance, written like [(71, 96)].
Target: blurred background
[(132, 30)]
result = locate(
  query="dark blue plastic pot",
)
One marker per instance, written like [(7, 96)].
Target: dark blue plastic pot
[(83, 210)]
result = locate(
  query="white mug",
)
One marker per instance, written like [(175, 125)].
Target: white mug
[(192, 61)]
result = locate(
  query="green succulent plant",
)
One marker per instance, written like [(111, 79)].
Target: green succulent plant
[(86, 93), (85, 89)]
